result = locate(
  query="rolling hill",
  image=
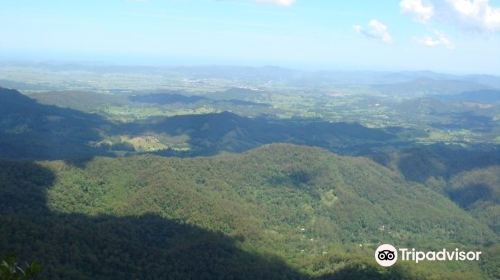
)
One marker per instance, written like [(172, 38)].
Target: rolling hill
[(92, 198), (31, 130), (279, 211)]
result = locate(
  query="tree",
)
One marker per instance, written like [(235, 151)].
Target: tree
[(11, 270)]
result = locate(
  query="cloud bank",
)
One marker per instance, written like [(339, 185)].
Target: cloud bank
[(419, 10), (375, 30), (476, 14)]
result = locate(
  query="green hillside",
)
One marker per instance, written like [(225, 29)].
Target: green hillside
[(478, 191), (30, 130), (276, 212)]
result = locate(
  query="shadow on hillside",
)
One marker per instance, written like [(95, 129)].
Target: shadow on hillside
[(469, 194), (29, 130), (33, 131), (179, 97), (211, 134), (75, 246), (466, 120), (422, 162)]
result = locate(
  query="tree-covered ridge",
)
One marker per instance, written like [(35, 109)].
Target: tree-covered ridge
[(290, 185), (478, 191), (277, 212), (30, 130)]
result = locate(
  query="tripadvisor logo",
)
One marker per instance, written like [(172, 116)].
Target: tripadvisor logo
[(387, 255)]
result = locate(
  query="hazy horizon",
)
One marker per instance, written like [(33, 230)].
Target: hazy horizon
[(409, 35), (172, 65)]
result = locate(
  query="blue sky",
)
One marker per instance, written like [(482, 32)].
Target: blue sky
[(459, 36)]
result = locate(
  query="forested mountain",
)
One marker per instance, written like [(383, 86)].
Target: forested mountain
[(174, 140), (478, 191), (278, 212), (31, 130), (36, 131), (90, 197)]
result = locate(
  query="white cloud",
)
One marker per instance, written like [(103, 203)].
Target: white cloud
[(419, 10), (476, 13), (375, 30), (439, 39), (285, 3)]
